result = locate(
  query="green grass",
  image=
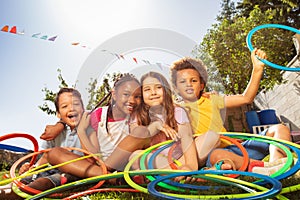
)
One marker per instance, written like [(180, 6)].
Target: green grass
[(294, 180)]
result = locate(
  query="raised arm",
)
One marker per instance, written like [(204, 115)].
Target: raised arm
[(250, 92), (89, 141)]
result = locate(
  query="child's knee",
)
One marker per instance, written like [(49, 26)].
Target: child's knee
[(279, 131), (216, 155)]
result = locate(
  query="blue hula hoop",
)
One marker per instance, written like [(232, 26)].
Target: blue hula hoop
[(13, 148), (284, 175), (275, 190), (249, 44), (169, 182)]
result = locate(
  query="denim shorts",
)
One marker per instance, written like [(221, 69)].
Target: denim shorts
[(54, 175), (47, 173), (256, 150)]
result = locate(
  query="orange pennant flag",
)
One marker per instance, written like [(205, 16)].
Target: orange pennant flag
[(5, 28), (13, 30)]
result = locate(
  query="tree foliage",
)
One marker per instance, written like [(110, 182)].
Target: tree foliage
[(225, 43), (96, 92), (50, 95)]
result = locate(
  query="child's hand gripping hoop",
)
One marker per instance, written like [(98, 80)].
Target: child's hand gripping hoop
[(248, 40)]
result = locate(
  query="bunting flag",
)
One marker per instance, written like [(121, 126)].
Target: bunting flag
[(21, 32), (159, 65), (146, 62), (135, 60), (13, 30), (5, 28), (52, 38), (36, 35), (44, 37)]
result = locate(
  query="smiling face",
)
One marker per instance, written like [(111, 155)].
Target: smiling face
[(188, 84), (126, 97), (70, 109), (153, 93)]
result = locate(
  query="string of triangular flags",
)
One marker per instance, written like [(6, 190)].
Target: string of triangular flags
[(13, 30), (137, 60)]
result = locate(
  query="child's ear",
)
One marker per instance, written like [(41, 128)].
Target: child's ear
[(58, 115), (202, 85), (113, 94)]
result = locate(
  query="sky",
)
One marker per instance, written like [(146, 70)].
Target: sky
[(29, 63)]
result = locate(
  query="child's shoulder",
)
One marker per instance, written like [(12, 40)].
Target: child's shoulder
[(181, 115), (96, 116)]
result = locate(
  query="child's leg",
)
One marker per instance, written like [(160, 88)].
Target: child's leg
[(278, 131), (138, 139), (204, 144), (220, 154), (82, 168), (160, 161)]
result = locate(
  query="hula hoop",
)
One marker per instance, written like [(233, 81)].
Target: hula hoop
[(249, 44), (87, 192), (244, 153), (294, 168), (23, 135), (129, 164), (270, 141), (170, 159), (97, 179), (170, 183), (13, 148), (276, 186), (34, 191), (24, 195), (295, 147), (143, 159), (165, 184)]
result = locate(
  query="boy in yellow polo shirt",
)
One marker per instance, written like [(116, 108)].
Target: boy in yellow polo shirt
[(189, 77)]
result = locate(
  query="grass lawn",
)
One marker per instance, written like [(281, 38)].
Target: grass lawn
[(294, 180)]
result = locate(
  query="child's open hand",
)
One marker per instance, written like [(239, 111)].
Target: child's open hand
[(169, 132), (84, 122), (25, 167)]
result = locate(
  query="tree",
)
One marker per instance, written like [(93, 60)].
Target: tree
[(286, 11), (50, 95), (225, 43), (96, 93)]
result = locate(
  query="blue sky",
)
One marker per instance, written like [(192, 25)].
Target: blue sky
[(29, 64)]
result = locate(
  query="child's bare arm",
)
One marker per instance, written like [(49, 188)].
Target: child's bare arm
[(157, 126), (89, 141), (52, 131), (250, 92)]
